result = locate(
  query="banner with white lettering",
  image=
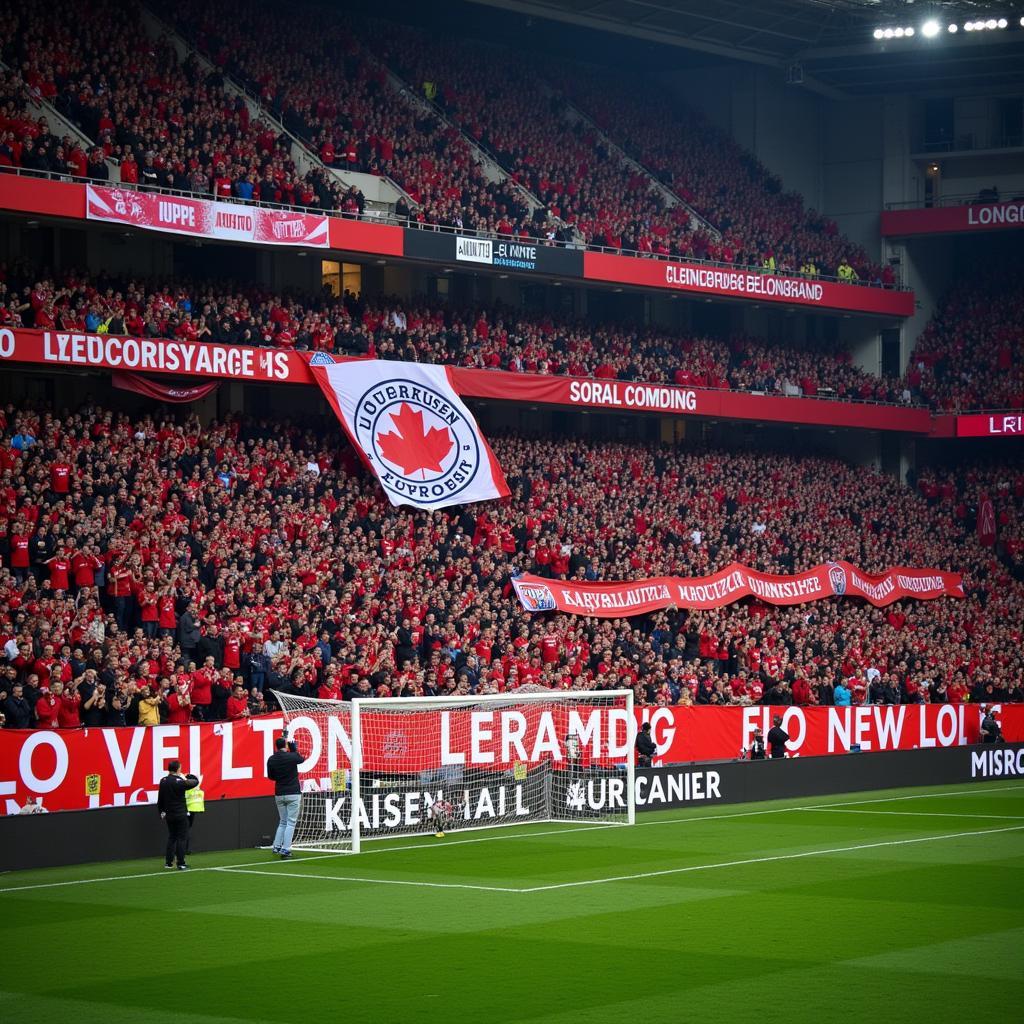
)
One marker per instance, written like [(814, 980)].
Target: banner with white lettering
[(206, 218), (618, 598), (414, 432), (78, 769)]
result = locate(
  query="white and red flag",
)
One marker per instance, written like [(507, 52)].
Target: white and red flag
[(413, 431)]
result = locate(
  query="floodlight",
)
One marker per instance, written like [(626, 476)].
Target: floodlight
[(930, 29), (878, 33)]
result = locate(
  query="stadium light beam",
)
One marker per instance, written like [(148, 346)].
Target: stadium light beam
[(930, 29), (878, 33), (953, 29)]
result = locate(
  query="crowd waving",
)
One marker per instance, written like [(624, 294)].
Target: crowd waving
[(159, 569)]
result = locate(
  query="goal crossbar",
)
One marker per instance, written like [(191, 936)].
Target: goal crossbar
[(386, 767)]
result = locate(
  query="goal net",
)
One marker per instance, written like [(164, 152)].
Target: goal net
[(387, 767)]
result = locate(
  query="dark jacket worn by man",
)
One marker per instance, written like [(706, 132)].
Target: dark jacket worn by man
[(283, 768), (170, 799)]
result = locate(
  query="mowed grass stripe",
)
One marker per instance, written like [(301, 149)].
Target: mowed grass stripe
[(776, 941)]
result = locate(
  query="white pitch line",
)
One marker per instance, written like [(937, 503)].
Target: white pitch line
[(766, 860), (147, 874), (375, 881), (916, 814), (981, 789)]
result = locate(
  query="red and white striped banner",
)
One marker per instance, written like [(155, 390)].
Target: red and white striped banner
[(206, 218)]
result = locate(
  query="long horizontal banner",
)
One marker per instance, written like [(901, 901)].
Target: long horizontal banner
[(261, 365), (621, 598), (670, 400), (683, 734), (204, 218), (154, 355), (944, 220), (739, 283), (88, 768), (1003, 424)]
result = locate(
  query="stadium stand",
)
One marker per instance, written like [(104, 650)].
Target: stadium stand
[(388, 328), (760, 224), (970, 355), (166, 123), (157, 554), (352, 115)]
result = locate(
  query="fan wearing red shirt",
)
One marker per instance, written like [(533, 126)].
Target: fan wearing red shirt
[(59, 567), (148, 612), (60, 477), (179, 704), (48, 709), (68, 708), (84, 565), (167, 620), (232, 650), (19, 545), (550, 646), (238, 703), (202, 689)]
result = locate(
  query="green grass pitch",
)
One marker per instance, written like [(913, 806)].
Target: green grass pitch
[(897, 906)]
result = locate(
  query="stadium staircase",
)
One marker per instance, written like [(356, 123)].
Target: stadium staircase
[(380, 192)]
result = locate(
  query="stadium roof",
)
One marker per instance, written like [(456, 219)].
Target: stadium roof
[(831, 40)]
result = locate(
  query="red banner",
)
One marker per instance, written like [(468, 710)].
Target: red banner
[(154, 355), (128, 381), (1003, 424), (84, 768), (206, 218), (202, 359), (943, 220), (612, 599), (737, 283), (669, 400)]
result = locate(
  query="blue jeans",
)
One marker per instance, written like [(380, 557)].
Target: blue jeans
[(288, 811)]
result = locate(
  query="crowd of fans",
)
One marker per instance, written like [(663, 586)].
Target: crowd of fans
[(759, 223), (971, 354), (337, 97), (158, 568), (166, 123), (169, 123), (494, 96), (493, 338)]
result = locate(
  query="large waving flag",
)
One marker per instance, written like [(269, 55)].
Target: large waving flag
[(413, 431)]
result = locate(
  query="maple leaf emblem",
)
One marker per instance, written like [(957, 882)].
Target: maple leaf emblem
[(411, 447)]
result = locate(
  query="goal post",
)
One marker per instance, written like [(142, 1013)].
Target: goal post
[(387, 767)]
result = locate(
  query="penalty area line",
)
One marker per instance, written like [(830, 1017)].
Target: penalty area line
[(770, 859), (373, 881)]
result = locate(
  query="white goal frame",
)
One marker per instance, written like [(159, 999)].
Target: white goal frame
[(292, 707)]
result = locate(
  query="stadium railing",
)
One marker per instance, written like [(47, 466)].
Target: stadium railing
[(387, 216)]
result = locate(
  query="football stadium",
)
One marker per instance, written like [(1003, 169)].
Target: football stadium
[(512, 511)]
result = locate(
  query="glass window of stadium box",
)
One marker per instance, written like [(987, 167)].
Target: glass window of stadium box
[(341, 277)]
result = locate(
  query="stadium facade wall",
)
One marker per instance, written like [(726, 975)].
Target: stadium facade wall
[(56, 840)]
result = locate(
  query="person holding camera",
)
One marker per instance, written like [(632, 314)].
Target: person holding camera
[(757, 751), (283, 769)]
